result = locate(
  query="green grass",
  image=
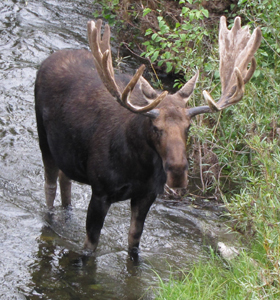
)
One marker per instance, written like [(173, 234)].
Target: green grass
[(241, 279), (255, 273), (213, 280)]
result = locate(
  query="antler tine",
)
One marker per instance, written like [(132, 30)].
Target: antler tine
[(101, 60), (93, 37), (128, 89), (105, 44), (237, 48), (101, 51), (251, 70)]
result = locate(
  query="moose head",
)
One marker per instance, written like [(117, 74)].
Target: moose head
[(168, 113)]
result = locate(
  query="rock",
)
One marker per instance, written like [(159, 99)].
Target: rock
[(227, 252)]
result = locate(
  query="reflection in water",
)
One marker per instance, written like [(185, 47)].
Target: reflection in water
[(59, 269), (40, 254)]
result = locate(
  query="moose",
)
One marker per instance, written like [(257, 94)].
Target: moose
[(118, 134)]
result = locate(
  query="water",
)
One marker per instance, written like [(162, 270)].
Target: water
[(40, 254)]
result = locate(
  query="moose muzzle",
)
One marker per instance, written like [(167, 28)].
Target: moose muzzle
[(176, 165)]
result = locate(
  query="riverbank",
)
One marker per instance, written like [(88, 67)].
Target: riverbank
[(243, 140)]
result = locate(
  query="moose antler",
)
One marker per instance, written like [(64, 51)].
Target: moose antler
[(101, 51), (237, 48)]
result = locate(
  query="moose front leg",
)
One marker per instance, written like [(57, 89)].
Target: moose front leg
[(97, 211), (139, 210)]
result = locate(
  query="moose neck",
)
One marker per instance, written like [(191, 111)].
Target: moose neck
[(133, 142)]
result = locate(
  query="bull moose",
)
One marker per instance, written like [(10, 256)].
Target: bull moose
[(119, 135)]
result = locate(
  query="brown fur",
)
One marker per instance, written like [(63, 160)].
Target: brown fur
[(85, 135)]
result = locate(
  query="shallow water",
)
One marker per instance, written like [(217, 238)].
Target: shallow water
[(40, 253)]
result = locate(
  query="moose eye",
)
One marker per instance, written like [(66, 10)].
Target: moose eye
[(157, 132)]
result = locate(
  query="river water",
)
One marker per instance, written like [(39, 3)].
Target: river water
[(40, 254)]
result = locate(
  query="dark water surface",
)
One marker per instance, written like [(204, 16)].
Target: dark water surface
[(40, 255)]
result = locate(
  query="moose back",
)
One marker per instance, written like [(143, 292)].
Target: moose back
[(125, 145)]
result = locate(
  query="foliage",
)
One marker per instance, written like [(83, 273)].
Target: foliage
[(175, 45), (245, 138), (258, 203), (266, 15), (179, 47), (258, 113), (108, 10)]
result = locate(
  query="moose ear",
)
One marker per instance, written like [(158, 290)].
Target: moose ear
[(186, 91), (149, 93)]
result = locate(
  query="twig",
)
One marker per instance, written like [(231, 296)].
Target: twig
[(135, 54), (200, 167)]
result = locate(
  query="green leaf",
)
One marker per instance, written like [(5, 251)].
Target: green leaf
[(185, 10), (148, 31), (186, 26), (155, 56), (161, 24), (160, 18), (198, 14), (191, 15), (205, 13), (167, 55), (183, 37), (146, 11), (158, 39), (257, 73), (264, 53), (154, 36), (169, 66)]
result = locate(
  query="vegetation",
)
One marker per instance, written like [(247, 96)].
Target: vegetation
[(178, 47), (244, 139), (255, 273)]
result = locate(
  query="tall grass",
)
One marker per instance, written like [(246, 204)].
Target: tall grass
[(255, 273), (213, 280), (245, 138)]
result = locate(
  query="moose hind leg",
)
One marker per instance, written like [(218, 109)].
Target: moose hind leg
[(51, 174), (97, 211), (65, 189), (139, 210)]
